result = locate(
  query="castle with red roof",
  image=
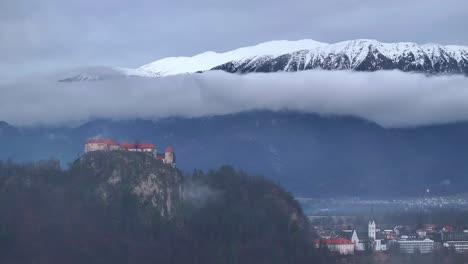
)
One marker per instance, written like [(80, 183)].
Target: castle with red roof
[(106, 144)]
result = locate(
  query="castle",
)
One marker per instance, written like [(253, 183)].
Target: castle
[(106, 144)]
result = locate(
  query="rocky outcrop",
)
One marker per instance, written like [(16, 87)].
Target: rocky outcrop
[(117, 174)]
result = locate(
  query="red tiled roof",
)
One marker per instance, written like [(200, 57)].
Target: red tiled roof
[(146, 146), (334, 241), (169, 149), (107, 141), (127, 145), (124, 145)]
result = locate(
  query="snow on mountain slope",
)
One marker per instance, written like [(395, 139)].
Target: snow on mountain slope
[(362, 55), (283, 55), (103, 73), (210, 59)]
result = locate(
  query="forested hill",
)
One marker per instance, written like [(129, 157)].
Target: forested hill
[(122, 207)]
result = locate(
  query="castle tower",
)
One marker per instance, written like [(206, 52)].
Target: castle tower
[(169, 156), (371, 230)]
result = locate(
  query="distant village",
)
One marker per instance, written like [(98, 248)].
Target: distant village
[(106, 144), (401, 239)]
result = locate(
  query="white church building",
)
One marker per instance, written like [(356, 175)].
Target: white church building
[(366, 241)]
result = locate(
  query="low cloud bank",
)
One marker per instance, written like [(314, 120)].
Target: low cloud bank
[(389, 98)]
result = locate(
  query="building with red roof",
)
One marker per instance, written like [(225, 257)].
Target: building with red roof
[(147, 147), (128, 146), (141, 147), (338, 245), (448, 228), (421, 232), (106, 144)]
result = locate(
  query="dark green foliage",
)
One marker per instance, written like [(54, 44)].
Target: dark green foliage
[(50, 215), (247, 220)]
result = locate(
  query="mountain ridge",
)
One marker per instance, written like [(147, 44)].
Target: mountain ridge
[(362, 55), (208, 60), (306, 54)]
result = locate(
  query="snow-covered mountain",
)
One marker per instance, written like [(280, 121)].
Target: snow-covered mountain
[(361, 55), (208, 60), (103, 73), (283, 55)]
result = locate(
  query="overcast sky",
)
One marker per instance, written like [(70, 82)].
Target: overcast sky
[(47, 35)]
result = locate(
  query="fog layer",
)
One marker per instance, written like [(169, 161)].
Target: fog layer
[(389, 98)]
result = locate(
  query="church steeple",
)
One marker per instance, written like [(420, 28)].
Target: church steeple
[(371, 230)]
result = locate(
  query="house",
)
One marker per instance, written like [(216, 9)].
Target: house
[(447, 228), (338, 245), (421, 232), (379, 244), (323, 233), (390, 234), (430, 228)]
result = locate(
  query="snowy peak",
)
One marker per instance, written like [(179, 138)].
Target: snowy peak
[(362, 55), (208, 60), (306, 54), (104, 73)]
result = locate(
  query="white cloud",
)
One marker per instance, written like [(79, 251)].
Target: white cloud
[(390, 98)]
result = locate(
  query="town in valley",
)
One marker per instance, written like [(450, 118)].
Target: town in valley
[(343, 239)]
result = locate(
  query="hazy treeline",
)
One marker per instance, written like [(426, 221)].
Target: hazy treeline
[(51, 215)]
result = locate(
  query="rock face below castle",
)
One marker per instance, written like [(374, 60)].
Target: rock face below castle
[(117, 176)]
